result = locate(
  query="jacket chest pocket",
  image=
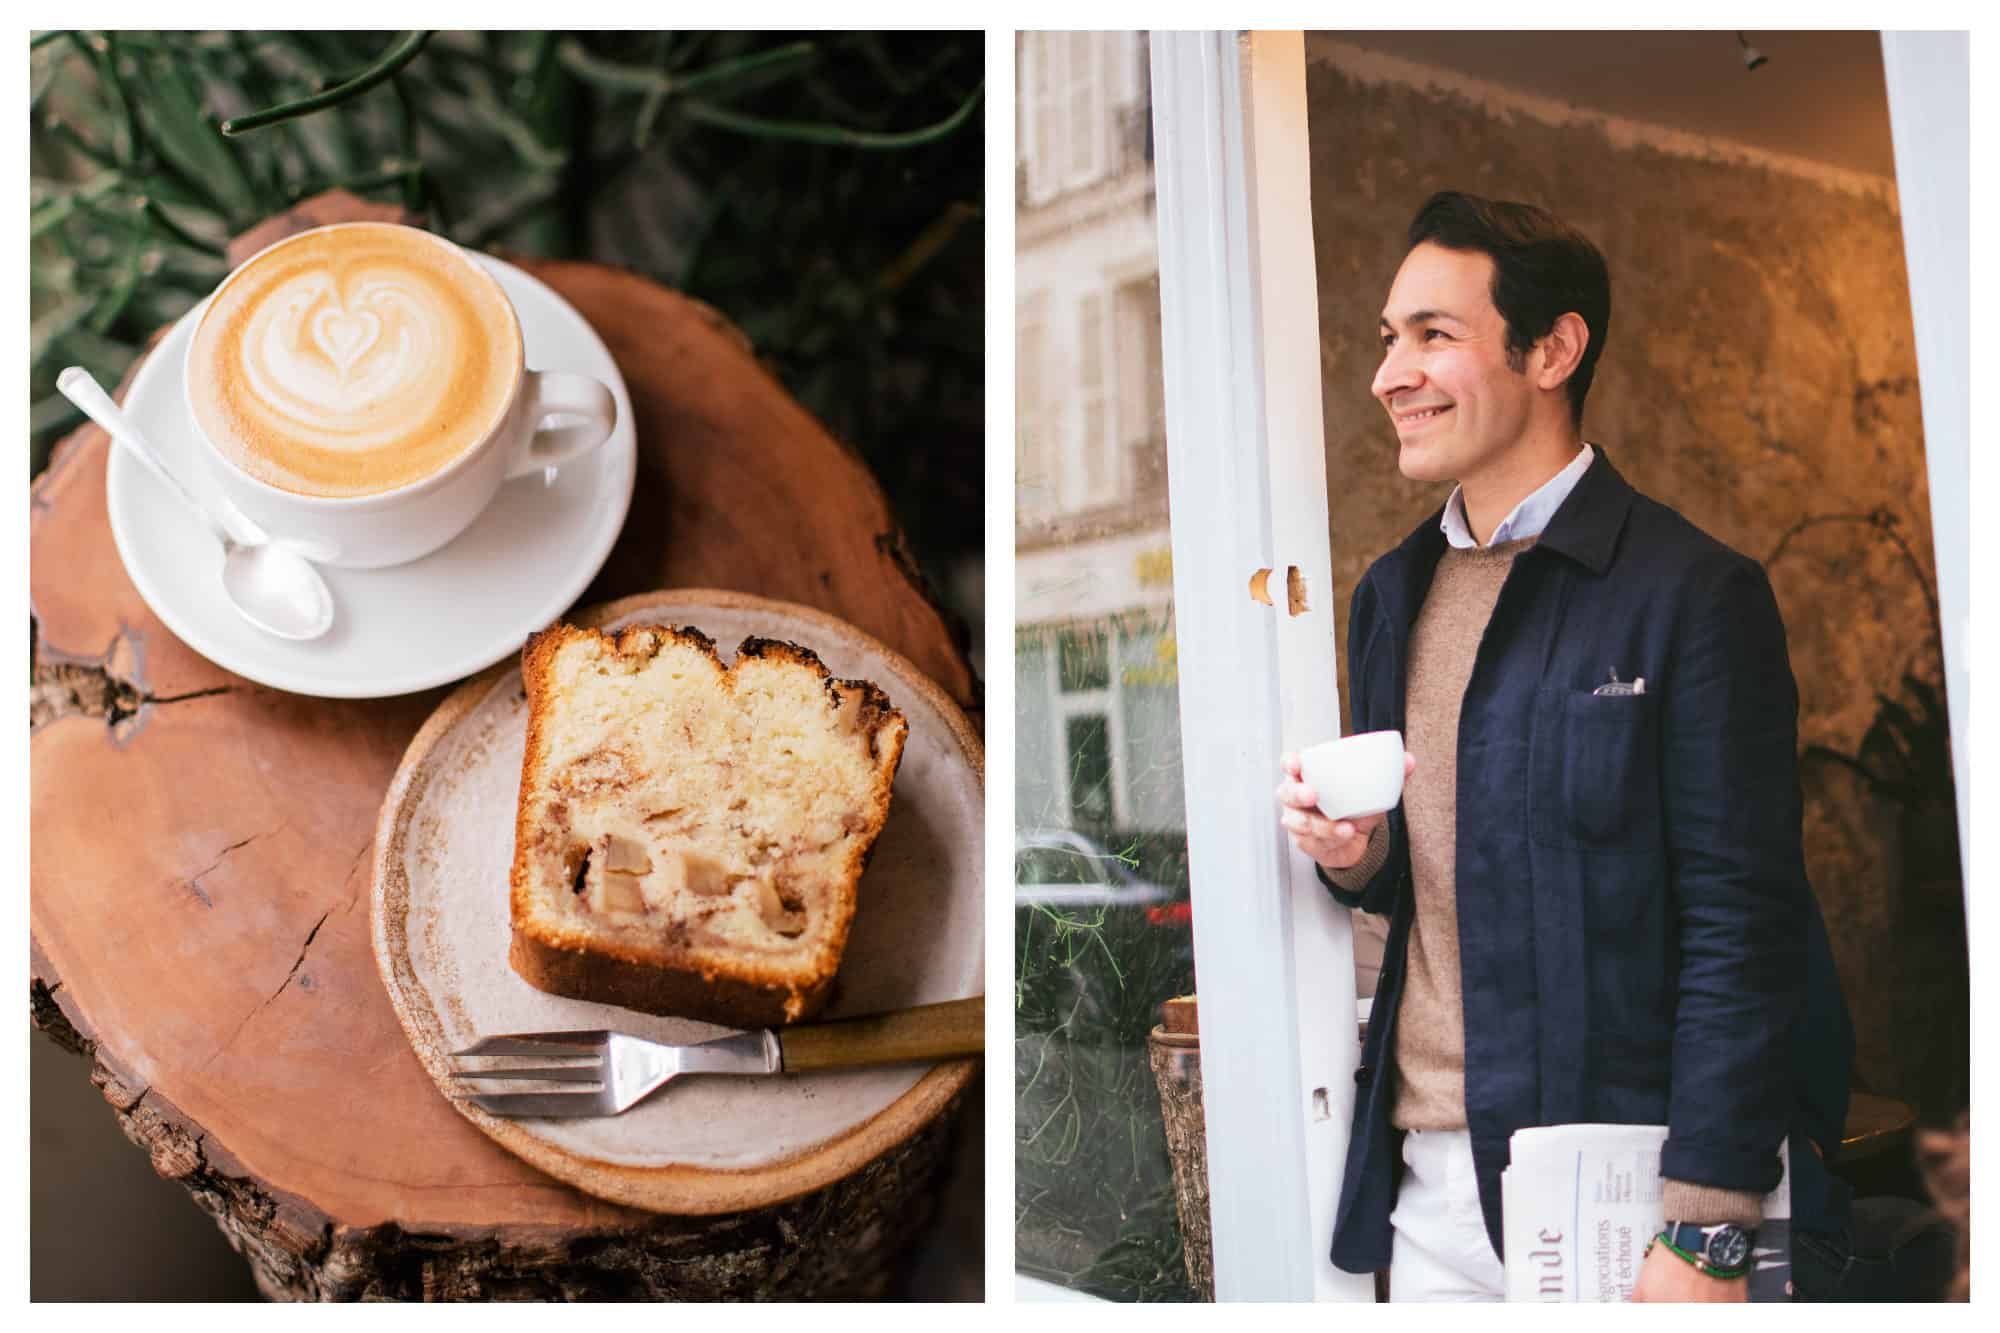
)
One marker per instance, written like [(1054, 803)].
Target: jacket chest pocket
[(1595, 770)]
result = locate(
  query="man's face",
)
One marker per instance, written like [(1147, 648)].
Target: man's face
[(1456, 405)]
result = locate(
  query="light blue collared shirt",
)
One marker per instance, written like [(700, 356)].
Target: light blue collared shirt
[(1527, 519)]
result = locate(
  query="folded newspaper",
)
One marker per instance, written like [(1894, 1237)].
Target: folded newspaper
[(1579, 1202)]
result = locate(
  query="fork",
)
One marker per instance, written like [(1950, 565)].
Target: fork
[(627, 1069)]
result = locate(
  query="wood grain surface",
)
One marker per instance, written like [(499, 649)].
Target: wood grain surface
[(200, 846)]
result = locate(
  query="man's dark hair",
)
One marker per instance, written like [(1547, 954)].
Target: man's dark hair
[(1543, 268)]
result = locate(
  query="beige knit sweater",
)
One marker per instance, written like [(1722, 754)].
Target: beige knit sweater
[(1430, 1021)]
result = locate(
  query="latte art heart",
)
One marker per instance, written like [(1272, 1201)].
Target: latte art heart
[(327, 359), (344, 337), (352, 360)]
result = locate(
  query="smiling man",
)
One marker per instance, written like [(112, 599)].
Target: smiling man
[(1594, 882)]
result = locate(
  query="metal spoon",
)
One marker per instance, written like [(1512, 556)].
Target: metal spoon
[(271, 586)]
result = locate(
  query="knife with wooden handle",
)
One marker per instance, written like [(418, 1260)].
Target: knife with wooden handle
[(927, 1032)]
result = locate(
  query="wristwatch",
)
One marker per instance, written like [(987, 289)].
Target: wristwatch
[(1719, 1251)]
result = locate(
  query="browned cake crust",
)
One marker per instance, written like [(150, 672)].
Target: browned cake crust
[(587, 974), (661, 974)]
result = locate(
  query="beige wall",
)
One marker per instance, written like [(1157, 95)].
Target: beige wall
[(1759, 376)]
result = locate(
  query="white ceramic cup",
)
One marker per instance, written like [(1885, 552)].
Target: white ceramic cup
[(1355, 775), (396, 526)]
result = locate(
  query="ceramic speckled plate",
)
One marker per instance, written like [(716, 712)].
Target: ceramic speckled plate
[(445, 842)]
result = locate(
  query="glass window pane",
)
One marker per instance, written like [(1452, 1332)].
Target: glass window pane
[(1074, 868), (1036, 765), (1102, 930), (1038, 865), (1088, 749), (1086, 659), (1149, 687)]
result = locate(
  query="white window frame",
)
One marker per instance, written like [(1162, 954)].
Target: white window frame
[(1929, 77), (1247, 490)]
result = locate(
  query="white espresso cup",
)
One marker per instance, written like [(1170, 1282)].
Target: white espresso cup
[(508, 435), (1355, 775)]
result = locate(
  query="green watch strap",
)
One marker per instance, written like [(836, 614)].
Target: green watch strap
[(1702, 1265)]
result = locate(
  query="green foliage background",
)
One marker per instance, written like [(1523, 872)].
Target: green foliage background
[(824, 191)]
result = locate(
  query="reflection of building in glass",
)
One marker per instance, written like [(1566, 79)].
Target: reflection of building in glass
[(1098, 734), (1101, 923)]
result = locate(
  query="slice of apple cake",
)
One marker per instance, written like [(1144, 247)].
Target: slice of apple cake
[(690, 836)]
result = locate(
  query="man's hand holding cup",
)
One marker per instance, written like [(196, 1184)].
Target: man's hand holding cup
[(1336, 793)]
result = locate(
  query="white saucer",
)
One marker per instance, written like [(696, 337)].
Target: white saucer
[(523, 561)]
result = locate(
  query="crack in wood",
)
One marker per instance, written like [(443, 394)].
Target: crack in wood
[(62, 685), (299, 962), (193, 881), (355, 864), (210, 692), (265, 1003)]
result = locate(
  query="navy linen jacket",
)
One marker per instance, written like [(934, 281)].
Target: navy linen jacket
[(1637, 938)]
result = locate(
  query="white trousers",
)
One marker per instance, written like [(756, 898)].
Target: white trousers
[(1441, 1251)]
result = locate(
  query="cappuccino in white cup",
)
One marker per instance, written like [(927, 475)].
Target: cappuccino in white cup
[(362, 393), (1355, 775)]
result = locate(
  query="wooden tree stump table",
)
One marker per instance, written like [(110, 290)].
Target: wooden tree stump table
[(199, 872)]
